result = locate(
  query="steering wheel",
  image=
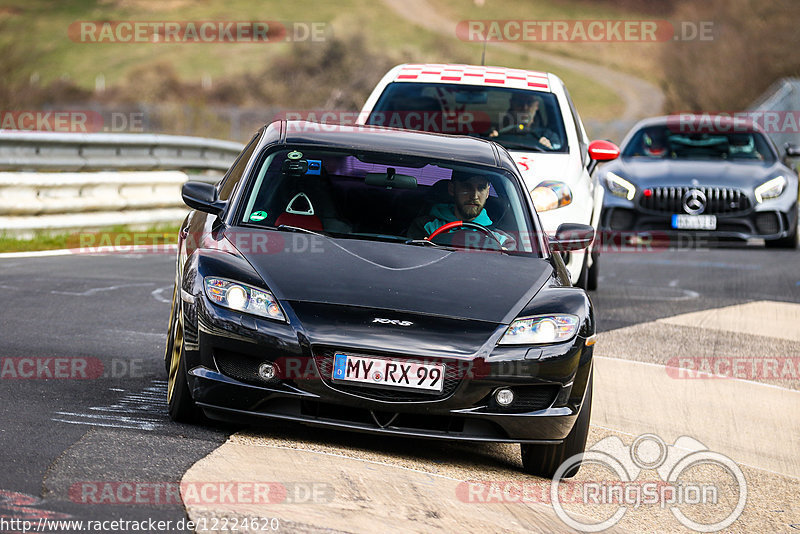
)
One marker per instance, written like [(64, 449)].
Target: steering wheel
[(515, 127), (464, 224)]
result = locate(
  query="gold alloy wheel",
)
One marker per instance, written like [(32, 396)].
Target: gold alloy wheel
[(171, 327), (175, 358)]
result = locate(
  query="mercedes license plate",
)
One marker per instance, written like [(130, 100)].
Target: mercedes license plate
[(694, 222)]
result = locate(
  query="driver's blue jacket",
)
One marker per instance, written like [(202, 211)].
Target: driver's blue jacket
[(442, 214)]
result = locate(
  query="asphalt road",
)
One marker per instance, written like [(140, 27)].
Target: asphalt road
[(64, 428), (638, 287), (101, 416)]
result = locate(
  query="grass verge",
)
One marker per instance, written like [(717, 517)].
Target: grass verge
[(117, 236)]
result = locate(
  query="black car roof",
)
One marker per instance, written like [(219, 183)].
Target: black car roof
[(459, 148), (702, 122), (725, 123)]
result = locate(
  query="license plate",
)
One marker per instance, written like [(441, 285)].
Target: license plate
[(388, 373), (694, 222)]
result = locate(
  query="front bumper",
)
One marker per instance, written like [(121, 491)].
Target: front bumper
[(770, 220), (550, 384)]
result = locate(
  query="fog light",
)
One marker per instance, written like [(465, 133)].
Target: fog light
[(504, 397), (267, 371)]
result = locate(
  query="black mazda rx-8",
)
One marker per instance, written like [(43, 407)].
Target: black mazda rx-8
[(302, 293)]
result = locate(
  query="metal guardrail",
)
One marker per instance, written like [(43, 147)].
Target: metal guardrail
[(45, 151), (44, 194)]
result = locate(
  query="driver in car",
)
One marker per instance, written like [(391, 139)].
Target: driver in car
[(525, 118), (469, 193)]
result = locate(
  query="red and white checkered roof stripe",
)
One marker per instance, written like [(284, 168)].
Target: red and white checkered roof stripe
[(474, 75)]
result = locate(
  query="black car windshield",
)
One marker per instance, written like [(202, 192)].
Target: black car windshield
[(516, 118), (663, 142), (386, 197)]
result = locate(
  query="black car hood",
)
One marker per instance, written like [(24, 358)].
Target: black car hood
[(485, 286), (716, 173)]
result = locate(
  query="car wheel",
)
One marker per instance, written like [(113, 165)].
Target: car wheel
[(544, 460), (594, 272), (173, 321), (789, 241), (180, 404)]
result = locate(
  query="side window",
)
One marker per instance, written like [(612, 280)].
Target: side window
[(229, 182), (584, 147)]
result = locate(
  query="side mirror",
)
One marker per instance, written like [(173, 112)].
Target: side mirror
[(792, 151), (203, 197), (601, 151), (572, 236)]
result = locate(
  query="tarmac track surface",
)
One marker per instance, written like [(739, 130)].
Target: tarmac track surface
[(61, 435)]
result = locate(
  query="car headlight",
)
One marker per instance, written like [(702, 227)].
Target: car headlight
[(243, 298), (550, 195), (619, 186), (771, 188), (541, 329)]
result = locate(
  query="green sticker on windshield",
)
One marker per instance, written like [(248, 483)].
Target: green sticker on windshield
[(258, 215), (294, 155)]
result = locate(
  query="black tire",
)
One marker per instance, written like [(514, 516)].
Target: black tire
[(173, 318), (789, 241), (180, 405), (583, 278), (544, 460), (594, 272)]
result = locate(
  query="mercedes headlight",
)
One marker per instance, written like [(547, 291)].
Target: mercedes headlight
[(541, 329), (619, 186), (550, 195), (243, 298), (771, 188)]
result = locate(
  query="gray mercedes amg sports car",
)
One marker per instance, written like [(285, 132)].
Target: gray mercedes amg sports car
[(710, 175)]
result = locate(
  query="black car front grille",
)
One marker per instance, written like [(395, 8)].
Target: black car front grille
[(238, 366), (719, 200), (324, 360), (768, 222)]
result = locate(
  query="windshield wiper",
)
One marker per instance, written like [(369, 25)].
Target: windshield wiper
[(299, 229), (422, 242), (522, 146)]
